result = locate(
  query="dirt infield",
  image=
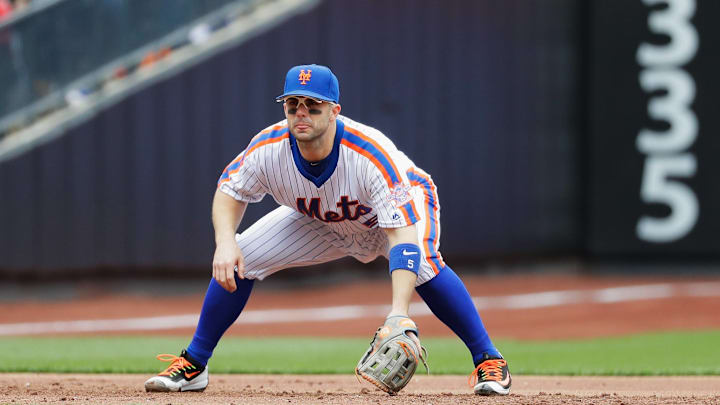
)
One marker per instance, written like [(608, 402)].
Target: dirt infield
[(293, 389), (519, 307)]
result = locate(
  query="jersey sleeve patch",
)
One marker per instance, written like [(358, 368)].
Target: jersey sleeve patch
[(400, 195)]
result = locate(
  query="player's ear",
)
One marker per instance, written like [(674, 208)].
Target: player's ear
[(335, 110)]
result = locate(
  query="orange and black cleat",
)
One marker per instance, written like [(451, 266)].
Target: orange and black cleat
[(183, 374), (491, 377)]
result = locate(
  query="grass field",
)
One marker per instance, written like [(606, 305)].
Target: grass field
[(688, 353)]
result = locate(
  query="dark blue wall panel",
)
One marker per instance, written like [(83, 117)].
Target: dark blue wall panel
[(481, 94)]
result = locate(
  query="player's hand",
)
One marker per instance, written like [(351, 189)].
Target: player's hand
[(227, 260), (392, 358)]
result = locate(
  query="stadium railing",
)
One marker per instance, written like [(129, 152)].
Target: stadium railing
[(67, 59)]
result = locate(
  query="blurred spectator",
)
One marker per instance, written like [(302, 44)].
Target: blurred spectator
[(14, 80), (5, 9), (6, 52), (153, 56), (21, 4)]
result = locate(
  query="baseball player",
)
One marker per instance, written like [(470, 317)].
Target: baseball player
[(344, 189)]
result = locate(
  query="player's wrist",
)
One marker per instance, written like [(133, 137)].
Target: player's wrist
[(398, 312), (224, 239)]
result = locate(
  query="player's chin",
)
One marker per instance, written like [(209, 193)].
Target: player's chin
[(304, 134)]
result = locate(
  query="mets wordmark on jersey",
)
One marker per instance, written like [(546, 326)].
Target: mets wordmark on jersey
[(367, 184)]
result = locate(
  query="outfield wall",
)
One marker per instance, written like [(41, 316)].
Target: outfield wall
[(653, 116), (505, 103)]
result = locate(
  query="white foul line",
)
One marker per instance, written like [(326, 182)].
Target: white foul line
[(345, 312)]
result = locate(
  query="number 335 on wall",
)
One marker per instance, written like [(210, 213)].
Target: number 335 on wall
[(667, 155)]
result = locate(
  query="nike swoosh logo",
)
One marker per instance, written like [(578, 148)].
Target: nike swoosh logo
[(406, 253), (191, 375), (505, 381)]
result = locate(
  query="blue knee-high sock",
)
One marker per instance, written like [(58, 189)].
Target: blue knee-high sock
[(220, 309), (450, 301)]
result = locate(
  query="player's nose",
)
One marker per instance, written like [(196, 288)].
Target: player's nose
[(302, 110)]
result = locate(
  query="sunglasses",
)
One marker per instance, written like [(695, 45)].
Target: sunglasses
[(312, 105)]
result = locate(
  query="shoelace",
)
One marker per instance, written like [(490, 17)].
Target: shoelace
[(177, 364), (491, 370)]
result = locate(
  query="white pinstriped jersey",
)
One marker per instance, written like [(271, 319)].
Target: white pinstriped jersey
[(363, 191), (367, 184)]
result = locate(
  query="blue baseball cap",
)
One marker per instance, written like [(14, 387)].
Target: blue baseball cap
[(314, 81)]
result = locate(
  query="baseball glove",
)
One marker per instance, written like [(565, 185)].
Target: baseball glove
[(392, 358)]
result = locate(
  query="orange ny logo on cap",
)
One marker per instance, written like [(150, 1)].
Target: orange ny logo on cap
[(304, 77)]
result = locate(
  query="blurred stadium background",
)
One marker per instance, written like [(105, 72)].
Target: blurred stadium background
[(564, 136)]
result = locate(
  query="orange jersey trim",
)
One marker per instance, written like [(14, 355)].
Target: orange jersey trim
[(386, 174), (431, 223), (258, 141)]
